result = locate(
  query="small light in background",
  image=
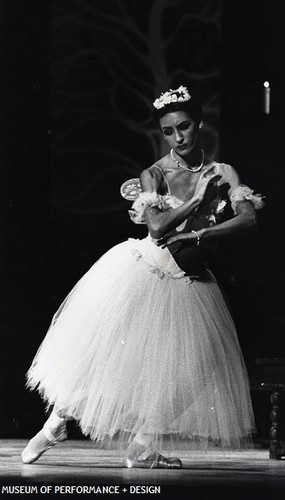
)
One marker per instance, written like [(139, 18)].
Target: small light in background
[(267, 91)]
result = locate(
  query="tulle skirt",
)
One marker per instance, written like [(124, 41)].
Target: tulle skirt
[(136, 347)]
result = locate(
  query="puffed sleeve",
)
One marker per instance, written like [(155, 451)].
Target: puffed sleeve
[(144, 200), (245, 193)]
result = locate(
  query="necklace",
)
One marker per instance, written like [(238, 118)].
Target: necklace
[(190, 169)]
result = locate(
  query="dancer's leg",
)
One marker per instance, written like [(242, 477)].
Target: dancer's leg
[(142, 452), (53, 431), (143, 448), (140, 447)]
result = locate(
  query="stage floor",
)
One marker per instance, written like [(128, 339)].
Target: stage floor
[(204, 474)]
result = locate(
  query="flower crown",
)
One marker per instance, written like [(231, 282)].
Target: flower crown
[(178, 95)]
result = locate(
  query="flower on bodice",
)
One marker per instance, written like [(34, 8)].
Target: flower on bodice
[(221, 206)]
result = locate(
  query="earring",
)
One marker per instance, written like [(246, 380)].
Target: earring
[(200, 124)]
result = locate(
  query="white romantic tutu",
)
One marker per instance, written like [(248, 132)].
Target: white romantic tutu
[(137, 345)]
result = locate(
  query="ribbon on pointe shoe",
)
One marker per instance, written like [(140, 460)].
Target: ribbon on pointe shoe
[(53, 431)]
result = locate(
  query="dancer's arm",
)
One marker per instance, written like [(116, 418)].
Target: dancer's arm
[(160, 223), (244, 220)]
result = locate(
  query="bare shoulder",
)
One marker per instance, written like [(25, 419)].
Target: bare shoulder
[(152, 177), (152, 172)]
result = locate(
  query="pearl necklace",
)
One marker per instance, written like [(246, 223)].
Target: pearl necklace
[(190, 169)]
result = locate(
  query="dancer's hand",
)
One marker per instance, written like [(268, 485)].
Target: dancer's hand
[(188, 238), (208, 176)]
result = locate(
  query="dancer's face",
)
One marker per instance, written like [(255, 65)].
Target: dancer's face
[(180, 131)]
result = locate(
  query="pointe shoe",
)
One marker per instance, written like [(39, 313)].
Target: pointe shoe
[(154, 461), (53, 431), (140, 454)]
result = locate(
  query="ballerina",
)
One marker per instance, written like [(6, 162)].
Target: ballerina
[(144, 345)]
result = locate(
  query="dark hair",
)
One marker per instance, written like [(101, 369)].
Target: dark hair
[(193, 107)]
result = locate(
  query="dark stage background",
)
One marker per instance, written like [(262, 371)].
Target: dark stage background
[(77, 81)]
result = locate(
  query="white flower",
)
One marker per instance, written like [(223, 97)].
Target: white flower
[(178, 95), (144, 199), (221, 206), (244, 193)]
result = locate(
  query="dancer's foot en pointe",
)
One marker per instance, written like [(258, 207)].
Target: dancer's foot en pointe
[(53, 431), (138, 456)]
